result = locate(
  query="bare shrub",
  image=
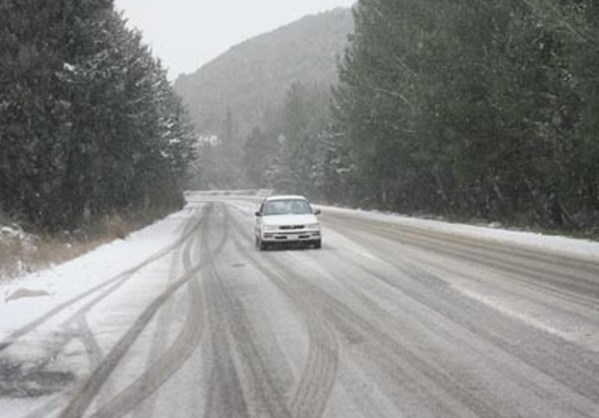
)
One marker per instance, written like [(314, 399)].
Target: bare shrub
[(22, 253)]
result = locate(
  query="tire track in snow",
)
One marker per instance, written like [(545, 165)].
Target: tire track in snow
[(85, 395), (319, 374), (560, 275), (165, 320), (175, 356), (116, 282), (240, 382), (515, 352), (78, 321)]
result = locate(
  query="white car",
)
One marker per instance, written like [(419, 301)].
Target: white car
[(287, 219)]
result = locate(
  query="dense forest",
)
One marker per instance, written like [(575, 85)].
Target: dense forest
[(474, 109), (89, 124), (465, 109)]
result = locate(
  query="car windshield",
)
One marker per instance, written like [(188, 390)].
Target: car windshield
[(287, 207)]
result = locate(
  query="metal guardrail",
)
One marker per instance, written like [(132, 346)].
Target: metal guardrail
[(244, 192)]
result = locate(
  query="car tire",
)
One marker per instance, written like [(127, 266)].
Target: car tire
[(262, 246), (318, 244)]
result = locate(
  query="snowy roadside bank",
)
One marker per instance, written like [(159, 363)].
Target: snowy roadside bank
[(25, 298), (24, 252), (565, 246)]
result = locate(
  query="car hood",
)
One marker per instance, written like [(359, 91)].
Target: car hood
[(278, 220)]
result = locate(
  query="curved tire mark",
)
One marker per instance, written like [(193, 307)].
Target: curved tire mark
[(176, 355), (80, 403), (319, 374), (232, 337), (124, 276)]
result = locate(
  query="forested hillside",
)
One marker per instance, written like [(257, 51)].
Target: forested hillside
[(240, 102), (89, 124), (250, 80)]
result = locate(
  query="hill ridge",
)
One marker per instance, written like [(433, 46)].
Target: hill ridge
[(251, 77)]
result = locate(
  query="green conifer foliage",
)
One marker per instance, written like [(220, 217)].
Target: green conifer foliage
[(89, 123), (475, 109)]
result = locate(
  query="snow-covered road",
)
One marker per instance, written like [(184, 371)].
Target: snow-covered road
[(393, 317)]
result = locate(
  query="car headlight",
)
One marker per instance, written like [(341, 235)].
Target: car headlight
[(270, 228), (313, 226)]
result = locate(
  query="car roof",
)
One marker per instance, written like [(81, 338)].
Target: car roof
[(285, 197)]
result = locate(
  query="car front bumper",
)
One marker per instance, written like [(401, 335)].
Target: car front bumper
[(287, 236)]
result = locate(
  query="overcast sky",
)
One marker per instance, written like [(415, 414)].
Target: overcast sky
[(188, 33)]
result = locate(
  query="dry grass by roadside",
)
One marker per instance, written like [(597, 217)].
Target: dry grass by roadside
[(17, 259), (22, 253)]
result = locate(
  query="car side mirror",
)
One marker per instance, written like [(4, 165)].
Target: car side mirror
[(258, 214), (317, 212)]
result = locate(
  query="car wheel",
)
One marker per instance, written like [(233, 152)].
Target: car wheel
[(261, 244), (318, 244)]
